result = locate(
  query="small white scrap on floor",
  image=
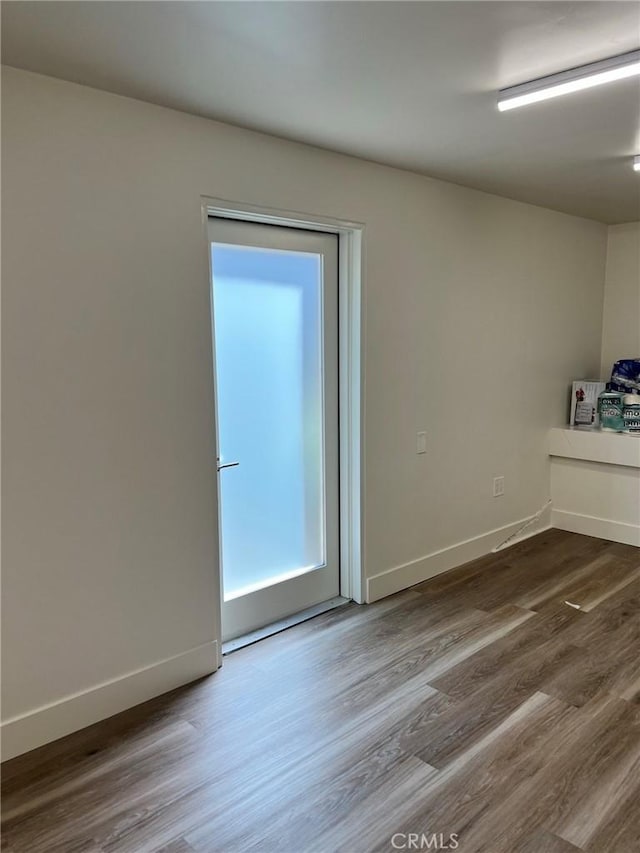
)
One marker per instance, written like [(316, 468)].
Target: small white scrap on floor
[(575, 606)]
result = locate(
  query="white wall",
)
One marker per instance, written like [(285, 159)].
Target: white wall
[(621, 316), (479, 312)]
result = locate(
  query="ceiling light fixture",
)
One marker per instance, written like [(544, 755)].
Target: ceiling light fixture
[(636, 163), (574, 80)]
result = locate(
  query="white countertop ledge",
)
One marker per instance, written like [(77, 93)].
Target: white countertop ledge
[(610, 448)]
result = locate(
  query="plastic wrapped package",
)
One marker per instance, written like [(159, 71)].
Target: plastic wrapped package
[(625, 376)]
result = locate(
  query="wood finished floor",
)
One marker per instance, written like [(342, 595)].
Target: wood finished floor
[(478, 703)]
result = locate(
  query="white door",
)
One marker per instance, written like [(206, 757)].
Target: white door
[(275, 309)]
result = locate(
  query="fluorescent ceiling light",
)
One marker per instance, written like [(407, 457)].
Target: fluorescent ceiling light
[(636, 163), (574, 80)]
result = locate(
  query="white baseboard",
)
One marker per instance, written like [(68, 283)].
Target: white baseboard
[(603, 528), (408, 574), (50, 722)]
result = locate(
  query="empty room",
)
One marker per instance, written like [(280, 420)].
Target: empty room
[(321, 426)]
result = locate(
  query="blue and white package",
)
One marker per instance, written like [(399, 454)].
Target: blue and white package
[(625, 376)]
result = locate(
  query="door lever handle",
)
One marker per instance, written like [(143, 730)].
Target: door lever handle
[(228, 465)]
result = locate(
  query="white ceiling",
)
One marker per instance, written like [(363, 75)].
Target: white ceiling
[(409, 84)]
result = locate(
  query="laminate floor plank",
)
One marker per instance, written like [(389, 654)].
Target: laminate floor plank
[(563, 585), (495, 700), (600, 580), (598, 781), (537, 632), (583, 752), (619, 607), (620, 831), (502, 759), (478, 704), (285, 766), (316, 805), (598, 666), (180, 845), (545, 842), (503, 582)]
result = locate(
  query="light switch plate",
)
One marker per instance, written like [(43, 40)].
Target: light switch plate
[(421, 443)]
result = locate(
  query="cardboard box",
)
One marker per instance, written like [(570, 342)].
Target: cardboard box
[(584, 403)]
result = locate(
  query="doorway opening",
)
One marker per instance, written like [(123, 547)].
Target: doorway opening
[(286, 330)]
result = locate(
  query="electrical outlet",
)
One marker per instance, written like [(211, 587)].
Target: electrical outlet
[(498, 487), (421, 443)]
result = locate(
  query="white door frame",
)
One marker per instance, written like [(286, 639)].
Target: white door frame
[(351, 370)]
